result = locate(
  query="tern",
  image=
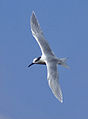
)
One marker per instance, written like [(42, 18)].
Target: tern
[(48, 58)]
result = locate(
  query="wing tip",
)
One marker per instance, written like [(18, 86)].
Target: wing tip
[(34, 21), (60, 98), (33, 13), (35, 27), (33, 17), (61, 101)]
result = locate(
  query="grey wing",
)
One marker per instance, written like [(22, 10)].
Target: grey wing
[(52, 76), (38, 35)]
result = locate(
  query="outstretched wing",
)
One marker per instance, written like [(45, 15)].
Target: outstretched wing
[(52, 76), (38, 35)]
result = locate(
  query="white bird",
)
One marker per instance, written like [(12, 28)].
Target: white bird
[(48, 58)]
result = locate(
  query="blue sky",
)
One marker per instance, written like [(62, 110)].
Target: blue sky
[(24, 92)]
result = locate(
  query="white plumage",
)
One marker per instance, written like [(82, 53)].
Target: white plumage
[(47, 58)]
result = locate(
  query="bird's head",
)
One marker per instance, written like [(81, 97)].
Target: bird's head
[(35, 61)]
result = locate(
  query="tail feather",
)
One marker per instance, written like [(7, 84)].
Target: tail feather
[(63, 62)]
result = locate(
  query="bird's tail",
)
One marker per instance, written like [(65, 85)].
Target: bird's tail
[(63, 62)]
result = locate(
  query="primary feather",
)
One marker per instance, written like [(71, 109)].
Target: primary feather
[(38, 35), (52, 76)]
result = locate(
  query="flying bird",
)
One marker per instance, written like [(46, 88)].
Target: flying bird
[(48, 58)]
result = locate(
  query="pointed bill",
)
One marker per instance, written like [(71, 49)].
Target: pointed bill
[(30, 64)]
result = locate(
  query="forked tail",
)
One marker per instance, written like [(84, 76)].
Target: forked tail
[(63, 62)]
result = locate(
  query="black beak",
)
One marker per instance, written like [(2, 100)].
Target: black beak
[(30, 64)]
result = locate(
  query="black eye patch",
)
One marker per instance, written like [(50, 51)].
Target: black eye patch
[(37, 59)]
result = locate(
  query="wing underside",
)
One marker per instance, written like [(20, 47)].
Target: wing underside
[(38, 35), (52, 76)]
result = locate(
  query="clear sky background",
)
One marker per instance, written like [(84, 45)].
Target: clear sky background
[(24, 92)]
